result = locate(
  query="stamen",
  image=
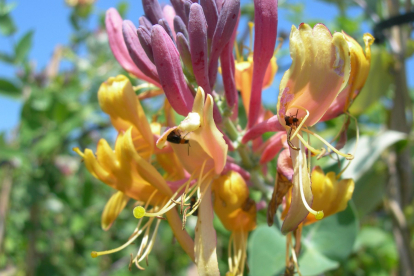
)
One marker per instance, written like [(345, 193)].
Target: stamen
[(355, 148), (302, 122), (347, 156), (317, 214)]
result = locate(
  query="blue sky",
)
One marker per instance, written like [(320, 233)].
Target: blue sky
[(50, 21)]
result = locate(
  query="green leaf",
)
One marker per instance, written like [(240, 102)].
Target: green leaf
[(9, 88), (373, 184), (23, 47), (7, 26), (325, 244), (266, 251), (333, 236), (122, 8)]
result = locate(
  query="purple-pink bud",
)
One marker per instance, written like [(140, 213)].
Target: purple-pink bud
[(167, 61), (179, 10), (228, 68), (180, 27), (226, 23), (219, 5), (144, 22), (271, 124), (113, 23), (184, 50), (265, 33), (152, 10), (211, 13), (197, 31), (136, 51), (163, 23), (144, 37)]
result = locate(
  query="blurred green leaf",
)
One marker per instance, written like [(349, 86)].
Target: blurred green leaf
[(6, 58), (122, 8), (325, 243), (371, 183), (23, 47), (7, 26), (6, 8), (367, 152), (333, 236), (266, 251), (9, 88)]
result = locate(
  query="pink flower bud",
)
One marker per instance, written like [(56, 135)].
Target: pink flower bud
[(167, 61)]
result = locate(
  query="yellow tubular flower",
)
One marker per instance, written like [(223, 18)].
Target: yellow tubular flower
[(117, 98), (126, 171), (112, 209), (329, 194), (244, 75), (360, 65), (237, 212)]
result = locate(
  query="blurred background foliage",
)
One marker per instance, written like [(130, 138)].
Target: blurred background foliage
[(50, 206)]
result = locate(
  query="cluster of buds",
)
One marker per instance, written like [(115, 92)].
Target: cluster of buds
[(207, 162)]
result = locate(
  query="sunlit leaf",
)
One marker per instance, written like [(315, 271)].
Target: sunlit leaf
[(23, 47)]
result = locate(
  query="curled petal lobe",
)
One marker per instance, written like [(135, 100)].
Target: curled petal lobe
[(320, 70), (360, 65), (117, 98), (167, 61), (329, 194), (205, 140), (112, 209)]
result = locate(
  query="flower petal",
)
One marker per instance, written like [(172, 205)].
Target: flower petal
[(205, 240), (117, 98), (297, 210), (112, 209), (320, 70)]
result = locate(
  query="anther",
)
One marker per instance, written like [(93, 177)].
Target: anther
[(139, 212)]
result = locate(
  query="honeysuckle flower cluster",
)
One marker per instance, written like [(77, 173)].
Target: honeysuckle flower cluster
[(206, 164)]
